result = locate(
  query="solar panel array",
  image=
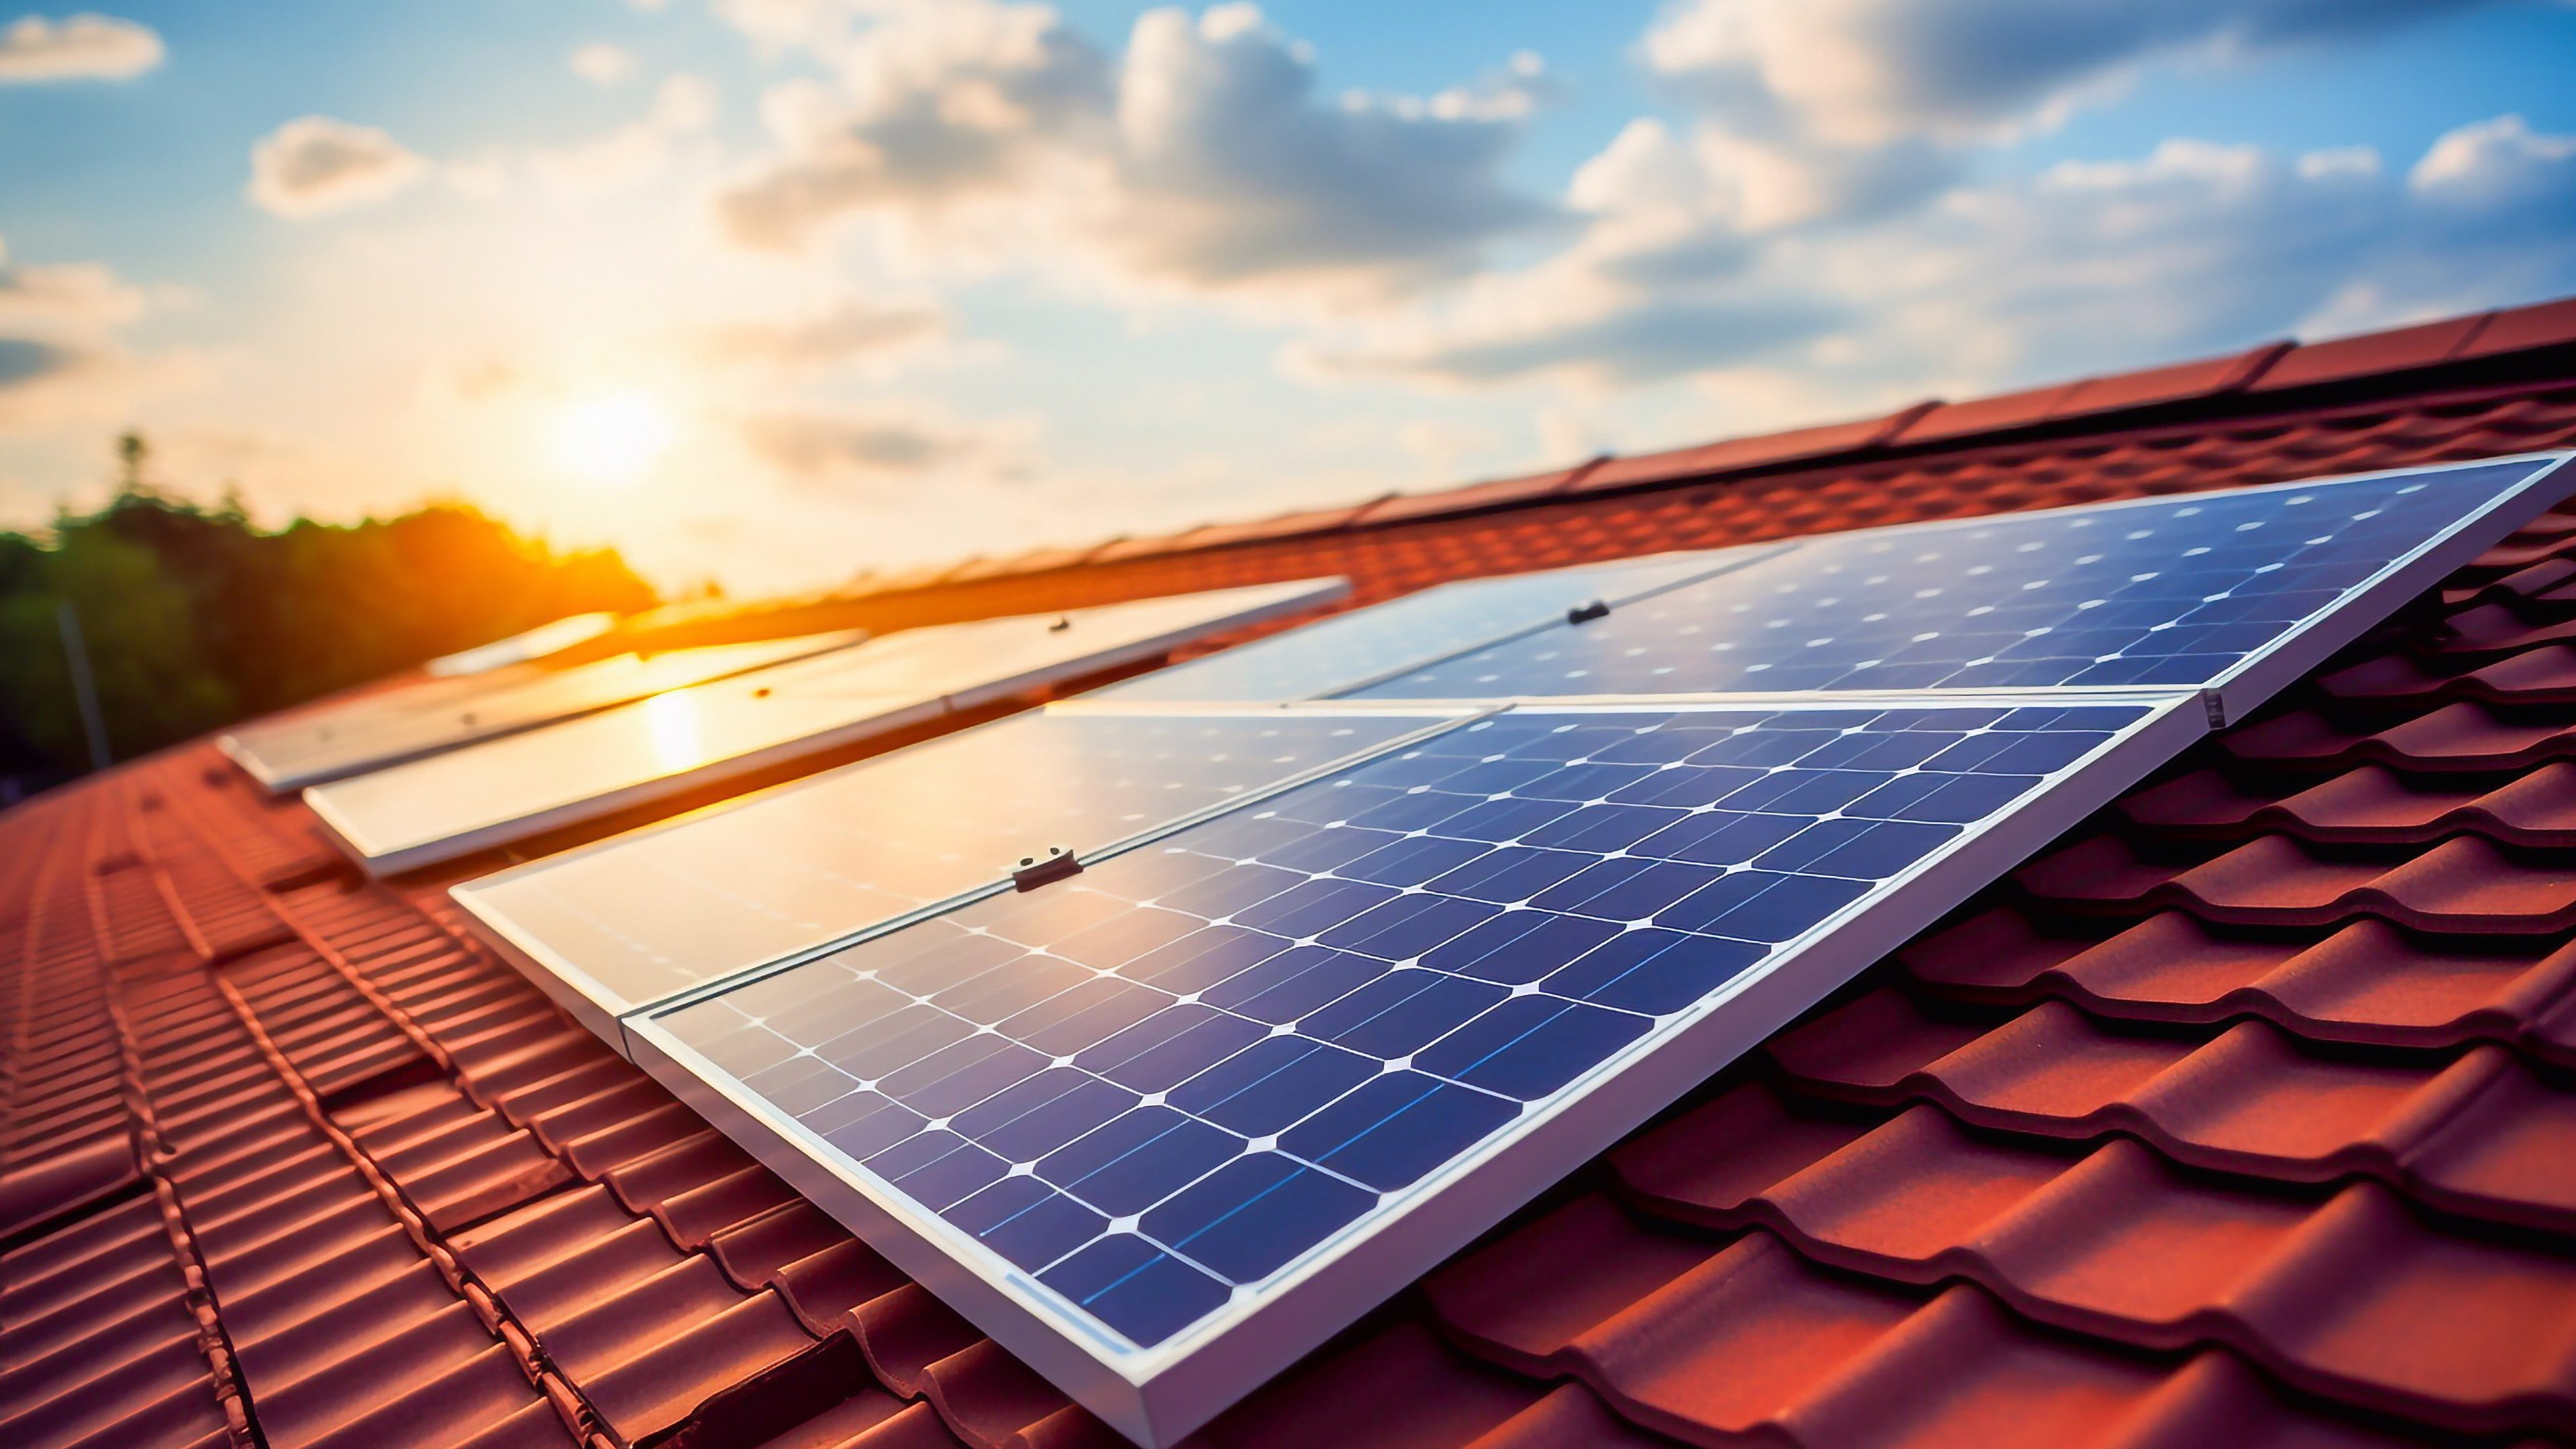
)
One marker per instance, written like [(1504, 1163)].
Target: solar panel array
[(580, 770), (642, 917), (2173, 592), (1168, 1078), (1350, 650), (369, 734), (1165, 1124)]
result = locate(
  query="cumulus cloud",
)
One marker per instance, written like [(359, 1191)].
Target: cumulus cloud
[(601, 63), (78, 47), (1869, 70), (1204, 159), (935, 106), (314, 165), (2192, 247), (858, 329)]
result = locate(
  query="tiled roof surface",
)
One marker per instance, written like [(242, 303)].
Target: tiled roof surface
[(2245, 1114)]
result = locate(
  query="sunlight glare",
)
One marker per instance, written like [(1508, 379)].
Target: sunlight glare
[(671, 724), (613, 437)]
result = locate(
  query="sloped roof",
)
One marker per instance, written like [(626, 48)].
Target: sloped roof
[(2244, 1114)]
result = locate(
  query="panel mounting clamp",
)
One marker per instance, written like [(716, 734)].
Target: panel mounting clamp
[(1043, 867), (1585, 613)]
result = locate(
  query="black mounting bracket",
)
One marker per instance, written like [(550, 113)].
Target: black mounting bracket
[(1051, 864)]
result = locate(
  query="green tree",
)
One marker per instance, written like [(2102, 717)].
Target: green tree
[(195, 616)]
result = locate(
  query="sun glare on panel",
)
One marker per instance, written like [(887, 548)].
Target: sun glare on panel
[(612, 437), (671, 721)]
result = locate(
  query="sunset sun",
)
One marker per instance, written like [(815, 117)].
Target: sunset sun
[(612, 438)]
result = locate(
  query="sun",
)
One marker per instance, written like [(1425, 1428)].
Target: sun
[(612, 437)]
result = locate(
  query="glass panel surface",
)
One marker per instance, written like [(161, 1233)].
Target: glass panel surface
[(544, 779), (2169, 593), (1354, 648), (1173, 1076), (647, 915)]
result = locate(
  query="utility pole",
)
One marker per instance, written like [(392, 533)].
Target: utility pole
[(84, 689)]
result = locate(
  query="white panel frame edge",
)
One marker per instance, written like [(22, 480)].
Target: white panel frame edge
[(1157, 1395), (605, 1011), (2243, 687), (381, 859)]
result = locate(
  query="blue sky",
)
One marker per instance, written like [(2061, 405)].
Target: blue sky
[(772, 290)]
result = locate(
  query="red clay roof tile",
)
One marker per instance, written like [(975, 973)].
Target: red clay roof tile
[(1494, 493), (1996, 414), (2178, 382), (2395, 350), (2543, 324), (2242, 1121), (1743, 454)]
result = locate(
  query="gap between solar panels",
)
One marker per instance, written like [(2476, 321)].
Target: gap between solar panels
[(1317, 1011)]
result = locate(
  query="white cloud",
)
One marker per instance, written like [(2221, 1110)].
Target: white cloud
[(1866, 71), (935, 106), (78, 47), (601, 63), (2087, 265), (59, 354), (314, 165), (2495, 164), (1204, 160), (1230, 171)]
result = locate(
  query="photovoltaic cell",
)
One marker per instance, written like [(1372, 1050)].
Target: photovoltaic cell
[(640, 917), (2176, 592), (1146, 1095), (1356, 648), (584, 769)]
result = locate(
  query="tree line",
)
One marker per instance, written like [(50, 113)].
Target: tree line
[(194, 616)]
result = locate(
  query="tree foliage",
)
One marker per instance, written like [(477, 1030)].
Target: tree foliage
[(195, 617)]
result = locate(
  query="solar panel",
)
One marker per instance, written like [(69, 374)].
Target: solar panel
[(369, 734), (622, 759), (2194, 590), (519, 648), (643, 917), (1163, 1126), (1353, 649)]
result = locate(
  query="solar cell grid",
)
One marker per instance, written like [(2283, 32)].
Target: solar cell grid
[(637, 918), (1153, 1087), (2175, 592), (1353, 649)]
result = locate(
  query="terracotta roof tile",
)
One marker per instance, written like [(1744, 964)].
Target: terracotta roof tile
[(2342, 358), (2543, 324), (1738, 454), (2242, 1118), (2178, 382), (1495, 493)]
